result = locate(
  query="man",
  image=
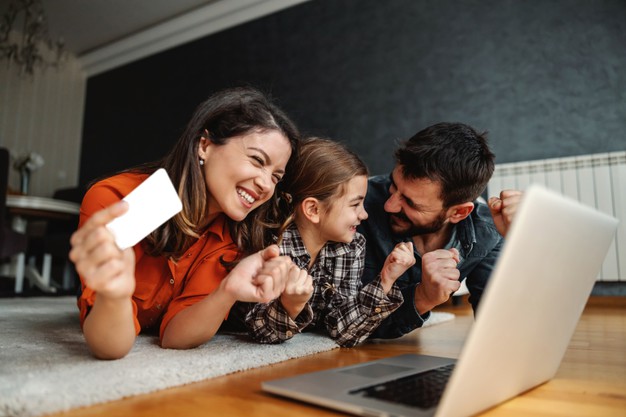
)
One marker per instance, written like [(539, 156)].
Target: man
[(430, 198)]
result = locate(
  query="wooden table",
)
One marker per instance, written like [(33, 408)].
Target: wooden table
[(22, 209), (590, 382)]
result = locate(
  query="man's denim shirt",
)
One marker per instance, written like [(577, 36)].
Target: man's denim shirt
[(475, 237)]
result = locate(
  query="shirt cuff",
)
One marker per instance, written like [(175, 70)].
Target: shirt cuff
[(420, 317), (375, 301), (290, 326), (304, 318)]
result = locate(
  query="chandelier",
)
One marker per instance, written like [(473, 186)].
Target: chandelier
[(24, 38)]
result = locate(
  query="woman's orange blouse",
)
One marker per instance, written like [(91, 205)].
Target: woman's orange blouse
[(163, 287)]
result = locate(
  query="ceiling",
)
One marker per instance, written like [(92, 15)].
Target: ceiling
[(108, 33), (86, 25)]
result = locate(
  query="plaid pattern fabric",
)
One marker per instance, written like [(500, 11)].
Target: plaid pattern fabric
[(348, 311)]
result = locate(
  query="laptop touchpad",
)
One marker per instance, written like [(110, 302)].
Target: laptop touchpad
[(376, 370)]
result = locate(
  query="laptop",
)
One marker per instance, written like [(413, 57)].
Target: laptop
[(527, 315)]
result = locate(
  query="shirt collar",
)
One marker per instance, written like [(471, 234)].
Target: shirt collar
[(293, 246), (219, 228), (463, 236)]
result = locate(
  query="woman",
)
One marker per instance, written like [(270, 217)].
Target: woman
[(184, 277)]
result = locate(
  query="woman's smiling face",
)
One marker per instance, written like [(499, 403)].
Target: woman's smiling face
[(242, 174)]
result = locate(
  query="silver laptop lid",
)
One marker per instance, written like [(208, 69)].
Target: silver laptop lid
[(533, 302), (525, 320)]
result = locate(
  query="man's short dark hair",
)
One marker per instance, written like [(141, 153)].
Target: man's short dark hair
[(453, 154)]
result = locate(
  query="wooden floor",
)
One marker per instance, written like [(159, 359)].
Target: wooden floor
[(590, 382)]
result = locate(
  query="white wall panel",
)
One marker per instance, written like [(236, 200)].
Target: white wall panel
[(598, 181), (44, 114)]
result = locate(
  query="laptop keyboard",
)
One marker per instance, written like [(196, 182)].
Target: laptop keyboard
[(421, 390)]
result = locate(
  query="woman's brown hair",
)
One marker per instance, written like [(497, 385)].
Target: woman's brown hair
[(224, 115)]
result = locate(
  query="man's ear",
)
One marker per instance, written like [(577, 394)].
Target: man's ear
[(459, 212), (311, 209)]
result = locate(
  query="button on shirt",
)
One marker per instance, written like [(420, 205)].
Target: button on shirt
[(348, 310), (164, 287)]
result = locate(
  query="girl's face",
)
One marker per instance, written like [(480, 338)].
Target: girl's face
[(339, 222), (242, 174)]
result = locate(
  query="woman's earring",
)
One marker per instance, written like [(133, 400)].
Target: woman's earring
[(201, 162)]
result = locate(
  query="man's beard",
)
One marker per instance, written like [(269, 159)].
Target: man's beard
[(412, 229)]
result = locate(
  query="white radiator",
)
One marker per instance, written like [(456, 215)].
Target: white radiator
[(597, 180)]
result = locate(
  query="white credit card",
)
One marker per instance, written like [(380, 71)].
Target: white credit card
[(150, 205)]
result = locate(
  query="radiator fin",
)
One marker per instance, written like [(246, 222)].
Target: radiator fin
[(597, 180)]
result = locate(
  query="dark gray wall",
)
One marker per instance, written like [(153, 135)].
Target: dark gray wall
[(546, 78)]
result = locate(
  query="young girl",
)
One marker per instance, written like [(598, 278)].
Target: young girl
[(327, 185), (184, 277)]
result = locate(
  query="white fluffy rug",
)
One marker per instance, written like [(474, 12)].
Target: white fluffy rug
[(45, 366)]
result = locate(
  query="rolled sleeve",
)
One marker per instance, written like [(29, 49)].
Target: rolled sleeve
[(403, 320)]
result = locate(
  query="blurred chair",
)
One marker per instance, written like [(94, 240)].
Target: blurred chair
[(12, 243), (52, 246), (57, 238)]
